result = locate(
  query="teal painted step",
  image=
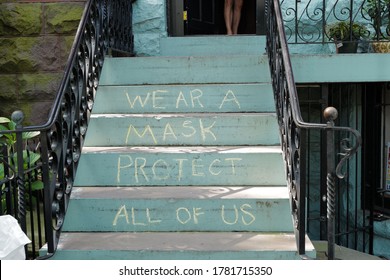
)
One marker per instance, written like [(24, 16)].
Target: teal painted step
[(212, 45), (183, 129), (179, 246), (184, 70), (189, 98), (179, 209), (151, 166)]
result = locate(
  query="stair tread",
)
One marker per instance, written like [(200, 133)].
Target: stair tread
[(179, 115), (183, 241), (200, 45), (186, 149), (190, 192)]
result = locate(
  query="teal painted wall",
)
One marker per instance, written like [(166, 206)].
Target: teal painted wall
[(149, 25)]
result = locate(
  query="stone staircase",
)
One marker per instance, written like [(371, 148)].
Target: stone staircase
[(182, 159)]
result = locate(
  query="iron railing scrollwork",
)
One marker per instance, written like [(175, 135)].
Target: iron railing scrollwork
[(306, 20), (105, 25), (293, 130)]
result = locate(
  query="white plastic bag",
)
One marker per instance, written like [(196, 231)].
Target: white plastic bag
[(12, 239)]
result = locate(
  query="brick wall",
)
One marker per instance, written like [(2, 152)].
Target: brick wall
[(35, 39)]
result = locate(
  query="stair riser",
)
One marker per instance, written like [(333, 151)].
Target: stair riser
[(179, 215), (213, 168), (157, 130), (198, 45), (185, 99), (185, 70), (175, 255)]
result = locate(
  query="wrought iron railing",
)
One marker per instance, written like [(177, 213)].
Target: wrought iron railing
[(307, 21), (293, 131), (105, 25)]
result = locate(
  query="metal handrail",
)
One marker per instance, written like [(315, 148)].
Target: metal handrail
[(105, 25), (293, 130)]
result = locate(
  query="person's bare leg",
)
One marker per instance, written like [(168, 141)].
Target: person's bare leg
[(228, 13), (237, 15)]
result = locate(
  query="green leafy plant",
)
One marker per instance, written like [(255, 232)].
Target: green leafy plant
[(8, 140), (378, 11), (345, 31)]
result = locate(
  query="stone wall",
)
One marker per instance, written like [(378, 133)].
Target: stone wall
[(149, 25), (35, 38)]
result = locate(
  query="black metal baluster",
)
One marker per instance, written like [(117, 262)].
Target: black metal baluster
[(330, 115)]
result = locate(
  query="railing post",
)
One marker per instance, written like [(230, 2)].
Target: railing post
[(47, 197), (330, 115), (302, 193), (18, 117)]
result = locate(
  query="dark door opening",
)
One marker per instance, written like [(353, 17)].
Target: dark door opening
[(203, 17), (375, 149), (206, 17)]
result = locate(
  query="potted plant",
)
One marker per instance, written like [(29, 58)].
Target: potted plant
[(379, 12), (346, 35)]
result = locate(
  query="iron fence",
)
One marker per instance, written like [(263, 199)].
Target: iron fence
[(310, 21)]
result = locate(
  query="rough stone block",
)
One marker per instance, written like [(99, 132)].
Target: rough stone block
[(63, 18), (149, 25), (16, 56), (31, 54), (68, 41), (32, 93), (39, 112), (149, 16), (22, 18), (51, 53), (39, 87), (147, 44), (8, 85)]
